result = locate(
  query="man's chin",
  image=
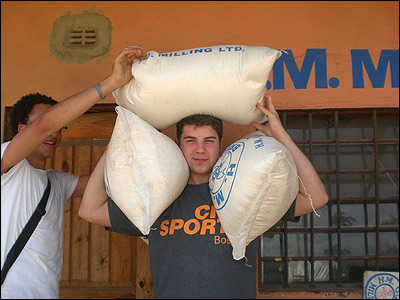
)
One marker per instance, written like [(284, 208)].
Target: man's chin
[(201, 170), (48, 154)]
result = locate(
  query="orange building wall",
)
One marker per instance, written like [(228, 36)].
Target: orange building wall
[(338, 27)]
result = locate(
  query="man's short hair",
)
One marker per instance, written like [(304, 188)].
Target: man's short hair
[(199, 120), (23, 108)]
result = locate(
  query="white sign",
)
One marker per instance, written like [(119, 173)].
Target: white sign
[(381, 285)]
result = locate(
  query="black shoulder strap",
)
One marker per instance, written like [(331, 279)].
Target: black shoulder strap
[(26, 233)]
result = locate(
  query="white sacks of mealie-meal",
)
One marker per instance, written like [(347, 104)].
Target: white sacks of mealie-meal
[(252, 186), (145, 170), (225, 81)]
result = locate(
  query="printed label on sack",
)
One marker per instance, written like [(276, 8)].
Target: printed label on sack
[(197, 51), (224, 174)]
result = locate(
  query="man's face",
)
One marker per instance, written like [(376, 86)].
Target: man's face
[(48, 148), (200, 146)]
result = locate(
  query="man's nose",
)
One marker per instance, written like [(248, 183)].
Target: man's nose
[(200, 147), (55, 134)]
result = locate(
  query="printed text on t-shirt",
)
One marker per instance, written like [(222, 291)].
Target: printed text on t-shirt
[(204, 223)]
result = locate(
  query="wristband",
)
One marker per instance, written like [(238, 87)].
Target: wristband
[(99, 91)]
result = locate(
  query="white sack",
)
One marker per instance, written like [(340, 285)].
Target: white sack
[(145, 170), (252, 186), (222, 81)]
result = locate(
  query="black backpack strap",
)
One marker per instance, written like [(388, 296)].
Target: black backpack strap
[(26, 233)]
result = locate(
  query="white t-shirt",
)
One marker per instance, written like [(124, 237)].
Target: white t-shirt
[(37, 270)]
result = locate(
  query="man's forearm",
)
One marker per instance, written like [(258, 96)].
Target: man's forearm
[(74, 106)]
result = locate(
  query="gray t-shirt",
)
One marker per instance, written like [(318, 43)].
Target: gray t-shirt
[(190, 255)]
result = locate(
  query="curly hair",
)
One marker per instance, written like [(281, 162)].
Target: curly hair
[(23, 108), (199, 120)]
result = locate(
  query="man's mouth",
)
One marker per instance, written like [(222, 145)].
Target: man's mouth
[(200, 160), (49, 143)]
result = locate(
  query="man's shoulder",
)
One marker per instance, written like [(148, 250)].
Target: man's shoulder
[(3, 147), (62, 180)]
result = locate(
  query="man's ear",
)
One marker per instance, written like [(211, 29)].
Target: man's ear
[(220, 144), (177, 142), (20, 126)]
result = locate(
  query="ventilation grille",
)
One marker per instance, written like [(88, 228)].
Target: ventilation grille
[(82, 37)]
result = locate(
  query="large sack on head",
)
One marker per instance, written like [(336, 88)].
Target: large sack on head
[(145, 170), (252, 186), (222, 81)]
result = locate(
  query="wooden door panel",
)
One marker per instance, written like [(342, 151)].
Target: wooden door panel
[(97, 263), (99, 239), (93, 257)]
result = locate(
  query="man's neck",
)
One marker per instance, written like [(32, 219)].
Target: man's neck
[(36, 162), (198, 179)]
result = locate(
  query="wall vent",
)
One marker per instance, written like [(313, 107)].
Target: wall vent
[(82, 37)]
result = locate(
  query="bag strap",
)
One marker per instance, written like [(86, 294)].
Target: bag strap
[(26, 233)]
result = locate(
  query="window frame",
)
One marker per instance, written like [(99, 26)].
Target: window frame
[(337, 285)]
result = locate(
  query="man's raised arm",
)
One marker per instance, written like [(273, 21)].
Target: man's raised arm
[(315, 189), (52, 120)]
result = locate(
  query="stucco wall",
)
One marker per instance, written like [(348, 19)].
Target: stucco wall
[(334, 29)]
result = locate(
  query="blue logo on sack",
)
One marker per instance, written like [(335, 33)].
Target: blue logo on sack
[(224, 174)]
